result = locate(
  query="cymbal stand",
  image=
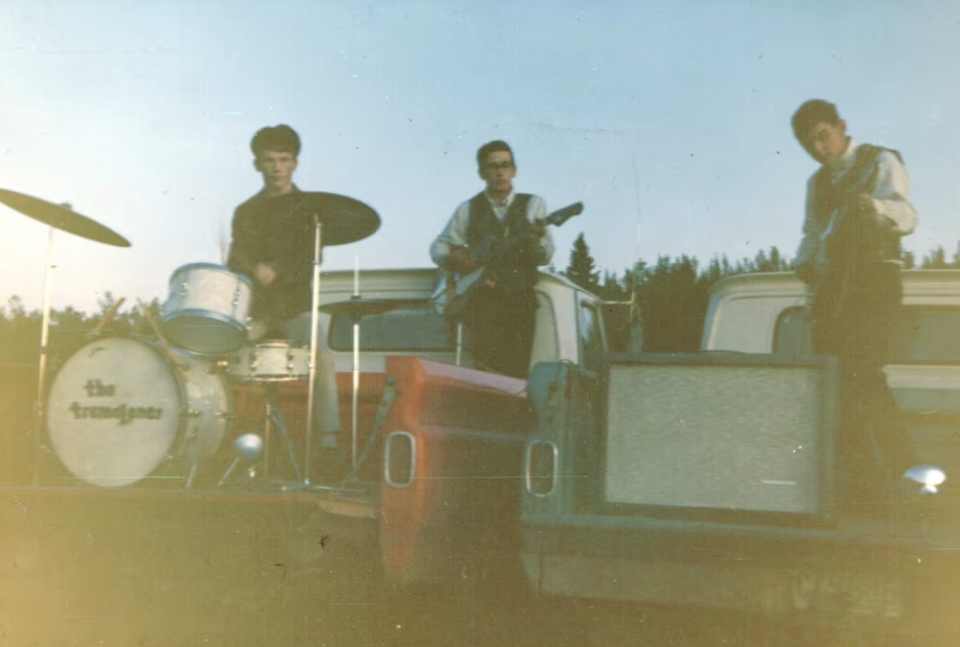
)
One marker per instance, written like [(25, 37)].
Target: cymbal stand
[(314, 316), (459, 343), (40, 404), (273, 417), (356, 366)]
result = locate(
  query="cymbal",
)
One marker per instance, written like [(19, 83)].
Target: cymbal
[(357, 308), (344, 219), (62, 218)]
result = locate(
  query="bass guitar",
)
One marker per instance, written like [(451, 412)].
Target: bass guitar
[(454, 291)]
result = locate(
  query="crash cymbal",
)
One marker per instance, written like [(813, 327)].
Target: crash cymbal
[(357, 308), (344, 219), (62, 218)]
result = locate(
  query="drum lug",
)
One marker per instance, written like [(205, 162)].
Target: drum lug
[(224, 415), (191, 413)]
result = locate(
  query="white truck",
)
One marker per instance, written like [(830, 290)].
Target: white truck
[(709, 481)]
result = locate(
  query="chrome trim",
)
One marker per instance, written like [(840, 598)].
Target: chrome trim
[(387, 477), (528, 476)]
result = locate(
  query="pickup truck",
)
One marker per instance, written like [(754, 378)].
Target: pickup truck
[(434, 496), (709, 481)]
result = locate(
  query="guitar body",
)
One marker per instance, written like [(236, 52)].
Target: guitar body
[(454, 292)]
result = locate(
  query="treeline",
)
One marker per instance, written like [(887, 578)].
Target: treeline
[(20, 330), (672, 294)]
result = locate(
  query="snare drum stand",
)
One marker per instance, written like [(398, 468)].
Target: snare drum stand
[(273, 416)]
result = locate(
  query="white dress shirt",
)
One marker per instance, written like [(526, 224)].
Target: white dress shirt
[(890, 199), (455, 233)]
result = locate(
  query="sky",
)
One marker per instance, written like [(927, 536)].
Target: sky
[(669, 120)]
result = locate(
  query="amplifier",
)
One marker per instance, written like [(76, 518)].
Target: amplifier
[(731, 432)]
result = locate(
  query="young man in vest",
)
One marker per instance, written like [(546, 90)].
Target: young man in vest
[(857, 210), (502, 314), (270, 250)]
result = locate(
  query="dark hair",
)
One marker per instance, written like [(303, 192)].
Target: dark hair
[(812, 113), (494, 147), (281, 138)]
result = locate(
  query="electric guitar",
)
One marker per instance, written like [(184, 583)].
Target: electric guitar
[(454, 292)]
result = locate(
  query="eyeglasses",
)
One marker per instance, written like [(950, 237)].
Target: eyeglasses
[(497, 166)]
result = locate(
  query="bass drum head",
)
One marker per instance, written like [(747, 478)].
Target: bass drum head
[(114, 411)]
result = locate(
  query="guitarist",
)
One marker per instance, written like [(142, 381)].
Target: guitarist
[(857, 211), (502, 314)]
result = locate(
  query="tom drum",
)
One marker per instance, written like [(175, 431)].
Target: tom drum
[(206, 309)]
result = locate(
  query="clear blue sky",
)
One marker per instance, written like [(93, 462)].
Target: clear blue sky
[(673, 115)]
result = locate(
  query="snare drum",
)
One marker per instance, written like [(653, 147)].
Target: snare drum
[(118, 407), (206, 309), (271, 361)]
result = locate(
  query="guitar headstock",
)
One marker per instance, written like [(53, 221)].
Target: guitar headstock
[(560, 216)]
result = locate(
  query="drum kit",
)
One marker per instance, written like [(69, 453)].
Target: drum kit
[(119, 407)]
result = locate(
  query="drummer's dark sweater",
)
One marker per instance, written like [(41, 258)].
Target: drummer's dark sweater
[(265, 235)]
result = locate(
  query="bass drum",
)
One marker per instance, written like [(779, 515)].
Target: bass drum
[(118, 407)]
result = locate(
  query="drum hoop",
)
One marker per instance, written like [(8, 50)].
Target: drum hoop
[(280, 343), (214, 267), (272, 377), (204, 314)]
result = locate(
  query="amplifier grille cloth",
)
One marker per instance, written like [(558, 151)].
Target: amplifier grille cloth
[(731, 437)]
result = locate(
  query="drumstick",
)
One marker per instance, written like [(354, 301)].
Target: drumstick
[(163, 340), (223, 244), (108, 317)]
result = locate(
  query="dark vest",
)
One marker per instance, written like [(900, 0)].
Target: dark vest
[(855, 240), (516, 267)]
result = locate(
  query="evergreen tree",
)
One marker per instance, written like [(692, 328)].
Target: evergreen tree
[(935, 260), (581, 269), (909, 260), (613, 289)]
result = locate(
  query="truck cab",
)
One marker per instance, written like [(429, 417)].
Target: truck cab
[(569, 321)]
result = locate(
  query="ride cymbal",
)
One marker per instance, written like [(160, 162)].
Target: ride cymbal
[(357, 308), (344, 219), (62, 218)]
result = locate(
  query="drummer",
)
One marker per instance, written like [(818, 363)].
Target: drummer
[(279, 260)]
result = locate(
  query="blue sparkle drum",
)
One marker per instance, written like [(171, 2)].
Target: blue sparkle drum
[(206, 309)]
